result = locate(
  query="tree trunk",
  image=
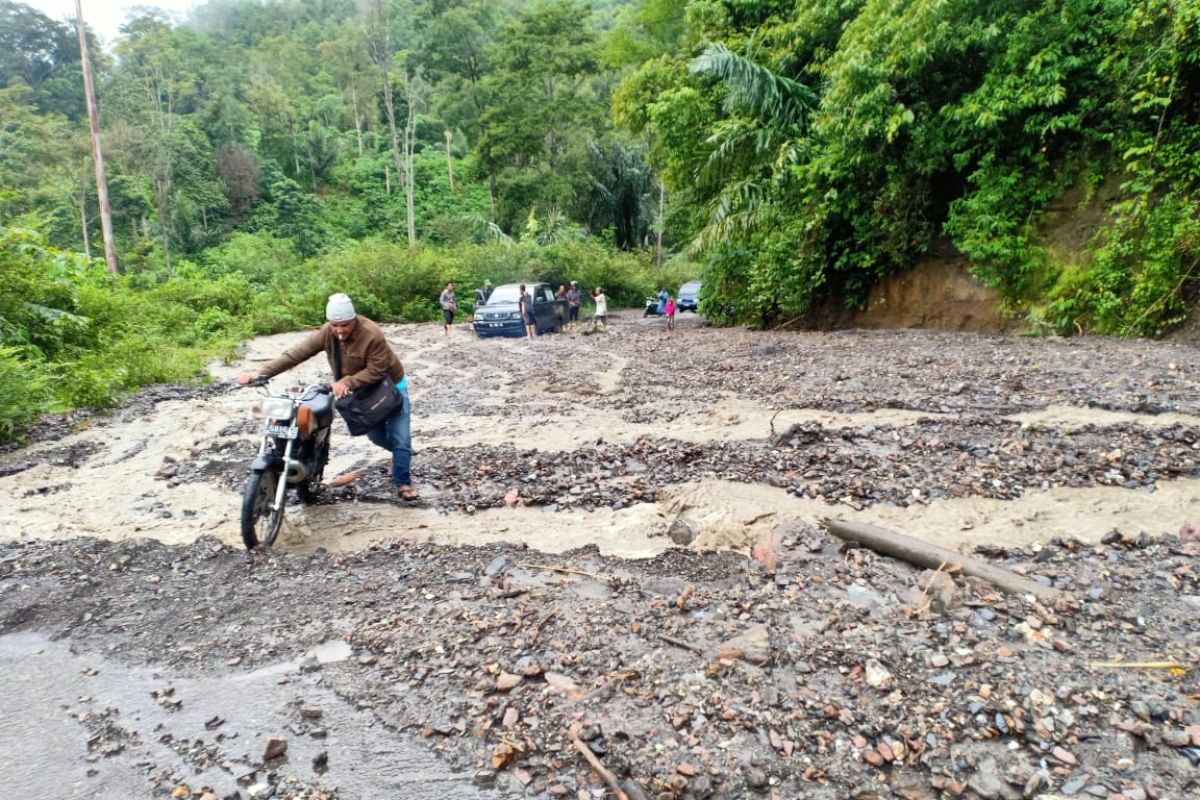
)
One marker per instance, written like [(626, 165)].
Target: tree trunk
[(492, 195), (89, 91), (295, 151), (662, 197), (389, 103), (449, 159), (357, 119), (932, 556), (87, 247), (387, 179), (161, 192), (410, 127)]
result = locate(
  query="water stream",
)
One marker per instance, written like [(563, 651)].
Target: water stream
[(215, 735)]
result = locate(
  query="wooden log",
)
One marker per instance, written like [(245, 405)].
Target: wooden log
[(601, 770), (925, 554)]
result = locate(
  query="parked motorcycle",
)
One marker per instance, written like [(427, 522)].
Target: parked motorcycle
[(293, 452), (652, 307)]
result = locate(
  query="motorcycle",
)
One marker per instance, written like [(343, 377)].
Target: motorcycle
[(293, 452), (652, 307)]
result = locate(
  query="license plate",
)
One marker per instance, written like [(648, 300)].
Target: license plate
[(281, 431)]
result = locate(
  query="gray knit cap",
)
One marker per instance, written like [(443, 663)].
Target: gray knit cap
[(339, 308)]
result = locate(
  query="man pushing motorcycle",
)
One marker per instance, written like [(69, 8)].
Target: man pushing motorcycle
[(361, 358)]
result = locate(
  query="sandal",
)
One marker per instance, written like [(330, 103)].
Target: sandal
[(407, 493)]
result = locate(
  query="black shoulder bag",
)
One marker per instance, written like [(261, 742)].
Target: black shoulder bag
[(367, 407)]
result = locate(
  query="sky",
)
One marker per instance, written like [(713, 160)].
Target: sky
[(105, 16)]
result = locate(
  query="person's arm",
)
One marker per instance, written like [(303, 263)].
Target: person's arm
[(298, 353)]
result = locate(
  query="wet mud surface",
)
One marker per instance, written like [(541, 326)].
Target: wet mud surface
[(618, 548)]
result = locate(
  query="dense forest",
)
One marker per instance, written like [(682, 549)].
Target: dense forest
[(267, 152)]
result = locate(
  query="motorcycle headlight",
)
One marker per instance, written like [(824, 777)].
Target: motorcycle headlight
[(277, 408)]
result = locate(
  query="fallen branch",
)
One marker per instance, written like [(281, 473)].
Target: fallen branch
[(601, 770), (924, 604), (566, 570), (1138, 665), (681, 643), (925, 554)]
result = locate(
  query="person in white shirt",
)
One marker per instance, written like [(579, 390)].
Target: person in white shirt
[(601, 302)]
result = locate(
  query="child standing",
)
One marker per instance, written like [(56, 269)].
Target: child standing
[(669, 313)]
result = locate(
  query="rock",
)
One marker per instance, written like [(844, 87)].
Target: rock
[(989, 785), (683, 531), (764, 550), (320, 761), (260, 791), (753, 646), (877, 676), (311, 712), (756, 778), (275, 748), (634, 790), (938, 589), (506, 681), (1063, 756), (910, 785), (1190, 531), (564, 684), (1174, 737), (495, 566), (864, 596)]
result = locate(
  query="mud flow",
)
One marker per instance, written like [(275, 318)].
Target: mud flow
[(616, 439), (617, 578)]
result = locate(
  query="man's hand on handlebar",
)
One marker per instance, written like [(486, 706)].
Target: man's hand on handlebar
[(250, 379), (340, 388)]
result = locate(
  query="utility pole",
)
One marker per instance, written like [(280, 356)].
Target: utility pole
[(89, 91)]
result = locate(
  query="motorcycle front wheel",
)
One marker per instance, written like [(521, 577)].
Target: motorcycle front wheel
[(260, 523)]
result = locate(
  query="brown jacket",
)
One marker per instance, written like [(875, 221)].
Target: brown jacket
[(366, 356)]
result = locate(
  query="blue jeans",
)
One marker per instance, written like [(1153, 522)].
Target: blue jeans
[(395, 434)]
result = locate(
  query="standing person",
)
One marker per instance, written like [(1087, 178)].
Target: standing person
[(669, 313), (525, 306), (483, 294), (662, 300), (449, 306), (601, 307), (366, 359), (574, 300)]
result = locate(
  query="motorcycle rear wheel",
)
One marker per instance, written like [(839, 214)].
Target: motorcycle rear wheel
[(260, 523)]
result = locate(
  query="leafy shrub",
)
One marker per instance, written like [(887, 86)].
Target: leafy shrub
[(24, 393)]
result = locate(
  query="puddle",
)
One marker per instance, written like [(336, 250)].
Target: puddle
[(216, 734), (329, 652)]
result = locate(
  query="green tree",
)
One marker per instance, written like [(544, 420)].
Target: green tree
[(542, 109)]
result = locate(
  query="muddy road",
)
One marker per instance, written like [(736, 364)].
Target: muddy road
[(618, 548)]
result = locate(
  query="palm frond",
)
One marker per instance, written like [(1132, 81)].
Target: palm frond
[(782, 100)]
